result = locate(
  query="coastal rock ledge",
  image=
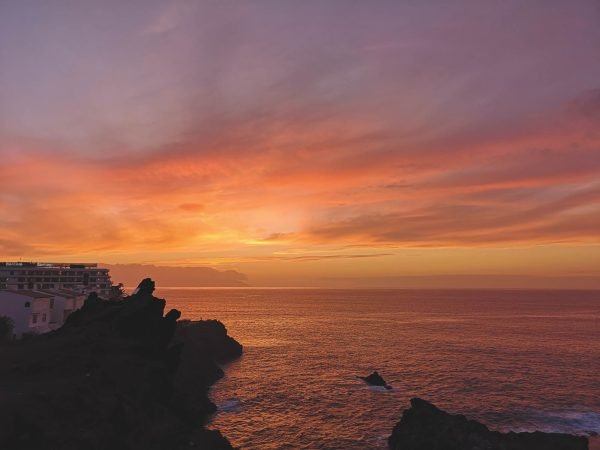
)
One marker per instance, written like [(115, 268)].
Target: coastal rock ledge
[(119, 375), (426, 427)]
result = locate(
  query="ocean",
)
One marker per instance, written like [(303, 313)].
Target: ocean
[(514, 360)]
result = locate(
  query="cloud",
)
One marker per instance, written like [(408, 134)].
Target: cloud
[(313, 184), (314, 257), (191, 207), (13, 248), (208, 131), (496, 218), (587, 105), (167, 19)]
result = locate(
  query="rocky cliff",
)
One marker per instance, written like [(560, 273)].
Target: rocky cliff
[(425, 427), (117, 375)]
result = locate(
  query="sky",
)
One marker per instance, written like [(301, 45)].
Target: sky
[(336, 143)]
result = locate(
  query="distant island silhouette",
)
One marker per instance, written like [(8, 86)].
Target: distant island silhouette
[(171, 276)]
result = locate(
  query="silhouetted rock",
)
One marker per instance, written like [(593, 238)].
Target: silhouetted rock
[(205, 344), (145, 288), (375, 380), (118, 375), (92, 300), (425, 427)]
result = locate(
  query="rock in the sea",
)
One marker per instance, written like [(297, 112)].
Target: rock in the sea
[(375, 380), (426, 427), (118, 375)]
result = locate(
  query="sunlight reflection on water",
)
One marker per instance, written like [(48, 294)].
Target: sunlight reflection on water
[(514, 360)]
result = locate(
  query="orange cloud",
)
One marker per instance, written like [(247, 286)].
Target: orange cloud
[(246, 194)]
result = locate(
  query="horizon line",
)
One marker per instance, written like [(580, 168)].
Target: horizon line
[(395, 288)]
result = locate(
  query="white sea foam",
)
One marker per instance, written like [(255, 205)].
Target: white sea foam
[(578, 422), (585, 421), (379, 389), (230, 405)]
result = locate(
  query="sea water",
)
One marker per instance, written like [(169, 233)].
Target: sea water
[(515, 360)]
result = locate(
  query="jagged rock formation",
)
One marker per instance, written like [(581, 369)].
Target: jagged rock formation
[(425, 427), (375, 380), (119, 376)]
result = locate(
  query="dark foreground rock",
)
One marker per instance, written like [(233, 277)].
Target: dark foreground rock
[(119, 376), (375, 380), (425, 427)]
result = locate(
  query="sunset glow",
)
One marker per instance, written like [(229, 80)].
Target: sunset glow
[(306, 143)]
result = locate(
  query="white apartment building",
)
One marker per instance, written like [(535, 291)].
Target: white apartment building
[(39, 297), (62, 303), (80, 277), (29, 310)]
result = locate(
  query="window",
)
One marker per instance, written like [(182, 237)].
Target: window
[(34, 318), (27, 304), (51, 303), (44, 317)]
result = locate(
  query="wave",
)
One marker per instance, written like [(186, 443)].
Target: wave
[(574, 422), (379, 389), (230, 405)]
